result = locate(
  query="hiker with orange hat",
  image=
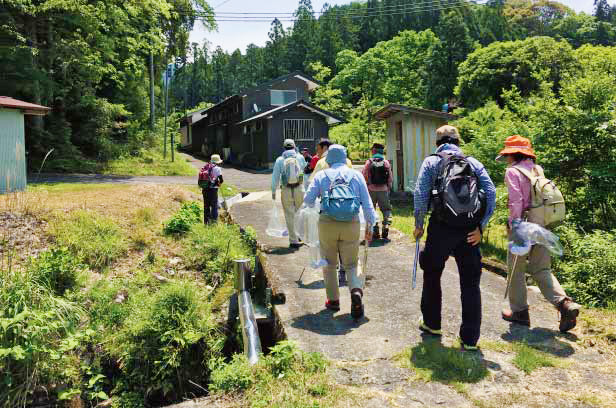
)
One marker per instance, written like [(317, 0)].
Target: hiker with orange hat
[(519, 178)]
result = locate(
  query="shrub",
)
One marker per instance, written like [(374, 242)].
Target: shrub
[(212, 248), (94, 238), (56, 269), (37, 338), (181, 222), (588, 269), (164, 332)]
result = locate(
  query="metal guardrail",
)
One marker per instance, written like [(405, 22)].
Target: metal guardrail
[(250, 330)]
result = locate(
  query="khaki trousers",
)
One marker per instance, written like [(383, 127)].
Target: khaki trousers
[(292, 199), (381, 198), (340, 238), (538, 264)]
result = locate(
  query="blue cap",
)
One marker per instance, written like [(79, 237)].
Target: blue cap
[(336, 154)]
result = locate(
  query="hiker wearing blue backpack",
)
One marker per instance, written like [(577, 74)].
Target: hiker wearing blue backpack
[(288, 174), (343, 191), (462, 197)]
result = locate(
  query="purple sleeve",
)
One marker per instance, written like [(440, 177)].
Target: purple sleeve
[(516, 195)]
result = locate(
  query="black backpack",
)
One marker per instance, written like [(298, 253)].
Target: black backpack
[(379, 173), (456, 197)]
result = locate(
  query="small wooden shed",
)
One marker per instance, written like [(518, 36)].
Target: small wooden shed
[(12, 142), (411, 136)]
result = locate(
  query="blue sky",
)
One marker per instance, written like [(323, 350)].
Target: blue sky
[(232, 35)]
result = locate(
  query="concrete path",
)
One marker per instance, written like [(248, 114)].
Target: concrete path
[(392, 308)]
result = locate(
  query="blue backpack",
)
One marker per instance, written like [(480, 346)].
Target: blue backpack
[(340, 201)]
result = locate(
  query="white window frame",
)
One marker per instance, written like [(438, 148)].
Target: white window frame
[(300, 130), (282, 92)]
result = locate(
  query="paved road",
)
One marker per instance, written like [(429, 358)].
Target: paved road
[(243, 179)]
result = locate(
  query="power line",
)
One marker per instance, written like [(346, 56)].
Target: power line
[(429, 5), (334, 18)]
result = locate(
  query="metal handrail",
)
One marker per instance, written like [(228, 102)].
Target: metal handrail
[(250, 330)]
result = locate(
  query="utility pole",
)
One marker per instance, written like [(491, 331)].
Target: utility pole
[(165, 97), (152, 118)]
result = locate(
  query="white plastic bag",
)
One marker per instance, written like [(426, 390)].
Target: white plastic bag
[(276, 227), (526, 234), (307, 227)]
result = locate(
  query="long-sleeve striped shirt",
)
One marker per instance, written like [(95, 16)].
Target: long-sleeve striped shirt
[(427, 178)]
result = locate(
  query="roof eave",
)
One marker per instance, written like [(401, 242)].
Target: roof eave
[(391, 109)]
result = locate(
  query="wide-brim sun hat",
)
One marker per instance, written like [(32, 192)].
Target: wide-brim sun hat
[(517, 144), (215, 159)]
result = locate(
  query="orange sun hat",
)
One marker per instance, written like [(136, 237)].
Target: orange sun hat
[(517, 144)]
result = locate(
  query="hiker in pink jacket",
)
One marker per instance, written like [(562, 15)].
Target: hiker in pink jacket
[(520, 156), (379, 177)]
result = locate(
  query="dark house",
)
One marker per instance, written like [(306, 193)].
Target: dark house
[(249, 128)]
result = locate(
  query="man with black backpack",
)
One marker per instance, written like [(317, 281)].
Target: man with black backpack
[(462, 197), (288, 174), (210, 179), (379, 177)]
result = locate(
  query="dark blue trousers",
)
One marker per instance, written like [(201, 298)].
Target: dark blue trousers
[(210, 205), (441, 242)]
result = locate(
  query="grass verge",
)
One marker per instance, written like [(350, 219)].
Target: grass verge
[(150, 163), (94, 238)]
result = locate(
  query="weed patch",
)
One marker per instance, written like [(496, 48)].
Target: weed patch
[(287, 377), (212, 248), (94, 238), (150, 163), (432, 361), (56, 269), (181, 222)]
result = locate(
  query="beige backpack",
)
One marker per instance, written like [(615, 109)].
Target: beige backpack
[(547, 205)]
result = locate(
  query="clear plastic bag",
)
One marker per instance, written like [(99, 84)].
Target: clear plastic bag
[(526, 234), (276, 227), (307, 227)]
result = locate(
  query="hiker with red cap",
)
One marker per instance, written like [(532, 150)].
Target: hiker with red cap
[(522, 178)]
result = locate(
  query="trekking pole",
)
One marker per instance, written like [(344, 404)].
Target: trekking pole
[(366, 245), (415, 263), (510, 276)]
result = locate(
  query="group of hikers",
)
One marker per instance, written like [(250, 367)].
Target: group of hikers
[(458, 193)]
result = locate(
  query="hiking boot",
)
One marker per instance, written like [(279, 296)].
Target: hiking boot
[(433, 332), (357, 307), (333, 305), (375, 233), (522, 317), (569, 311), (467, 347), (385, 232)]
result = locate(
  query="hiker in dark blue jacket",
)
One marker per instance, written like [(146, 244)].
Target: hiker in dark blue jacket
[(445, 239)]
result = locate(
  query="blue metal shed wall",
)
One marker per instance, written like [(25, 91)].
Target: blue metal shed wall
[(12, 151)]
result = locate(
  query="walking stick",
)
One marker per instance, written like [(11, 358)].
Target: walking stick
[(510, 276), (366, 245), (415, 264)]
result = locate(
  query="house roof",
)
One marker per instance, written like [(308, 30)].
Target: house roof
[(312, 83), (331, 118), (393, 108), (28, 108)]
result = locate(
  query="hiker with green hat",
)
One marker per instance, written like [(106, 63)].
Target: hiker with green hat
[(288, 175), (210, 179), (379, 177)]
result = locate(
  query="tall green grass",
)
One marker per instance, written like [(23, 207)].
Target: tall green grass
[(94, 238)]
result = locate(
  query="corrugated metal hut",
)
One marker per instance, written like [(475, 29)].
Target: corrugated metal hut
[(411, 136), (12, 142)]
